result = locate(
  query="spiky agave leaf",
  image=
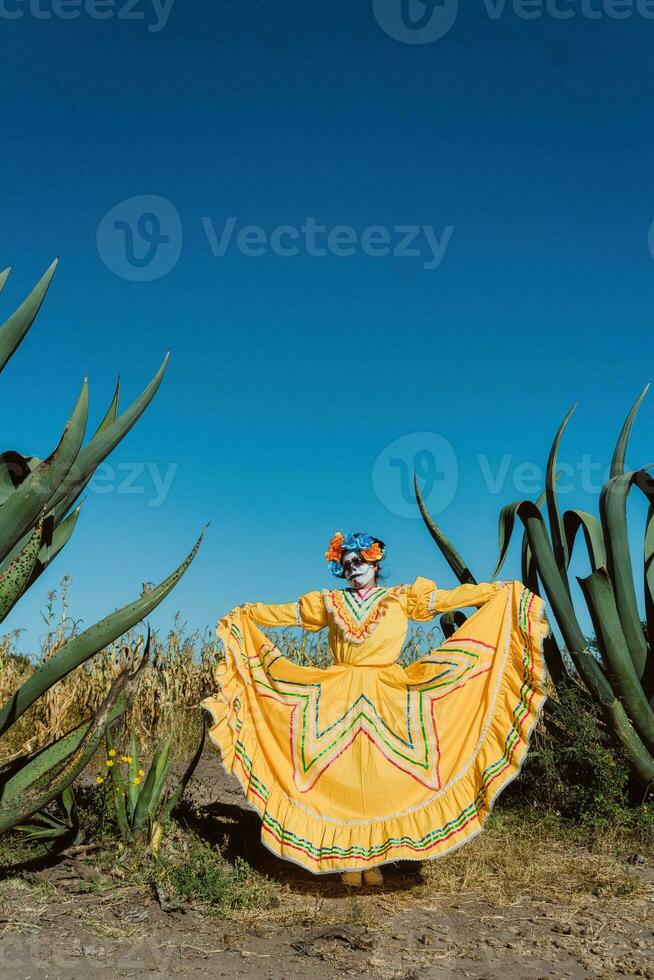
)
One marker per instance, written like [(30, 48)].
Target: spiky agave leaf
[(102, 443), (17, 810), (620, 451), (14, 579), (601, 602), (613, 513), (91, 641), (111, 413), (449, 552), (559, 544), (573, 521), (15, 328), (50, 549), (22, 508), (14, 468), (22, 772), (648, 587)]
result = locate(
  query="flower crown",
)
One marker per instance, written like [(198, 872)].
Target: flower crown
[(368, 548)]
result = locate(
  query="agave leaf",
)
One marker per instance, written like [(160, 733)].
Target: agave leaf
[(14, 579), (4, 275), (556, 592), (14, 329), (95, 638), (55, 536), (27, 770), (449, 552), (575, 519), (14, 468), (551, 651), (620, 451), (527, 563), (22, 508), (648, 575), (599, 595), (556, 525), (37, 796), (613, 513), (102, 443), (60, 537), (111, 413), (176, 796)]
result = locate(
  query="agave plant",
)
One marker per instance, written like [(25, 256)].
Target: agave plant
[(36, 521), (621, 677), (144, 800)]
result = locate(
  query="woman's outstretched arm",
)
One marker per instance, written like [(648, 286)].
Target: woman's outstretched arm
[(308, 612), (425, 600), (278, 614)]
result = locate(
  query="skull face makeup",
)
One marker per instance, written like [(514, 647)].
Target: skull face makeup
[(359, 573)]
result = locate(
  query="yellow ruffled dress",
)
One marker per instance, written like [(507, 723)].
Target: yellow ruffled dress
[(367, 762)]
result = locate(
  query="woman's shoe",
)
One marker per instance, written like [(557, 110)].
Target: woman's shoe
[(373, 877), (351, 878)]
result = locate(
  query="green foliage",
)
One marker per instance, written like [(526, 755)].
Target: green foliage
[(619, 673), (35, 524), (197, 874), (144, 800), (575, 770)]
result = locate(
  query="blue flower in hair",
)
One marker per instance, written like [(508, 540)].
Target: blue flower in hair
[(336, 569), (365, 541), (351, 542)]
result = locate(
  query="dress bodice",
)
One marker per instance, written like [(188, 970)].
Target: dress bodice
[(366, 628)]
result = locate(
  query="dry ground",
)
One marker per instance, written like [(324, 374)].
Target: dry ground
[(504, 906)]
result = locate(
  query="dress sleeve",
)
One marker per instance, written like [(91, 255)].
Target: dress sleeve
[(425, 600), (308, 612)]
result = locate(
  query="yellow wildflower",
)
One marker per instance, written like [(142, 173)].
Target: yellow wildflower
[(110, 762), (137, 780), (99, 780), (111, 753), (126, 758), (141, 772)]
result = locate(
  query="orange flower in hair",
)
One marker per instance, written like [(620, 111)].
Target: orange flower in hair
[(335, 548), (373, 553)]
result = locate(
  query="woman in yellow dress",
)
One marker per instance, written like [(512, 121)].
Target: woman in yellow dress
[(367, 762)]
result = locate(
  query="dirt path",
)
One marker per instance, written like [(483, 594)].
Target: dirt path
[(63, 923)]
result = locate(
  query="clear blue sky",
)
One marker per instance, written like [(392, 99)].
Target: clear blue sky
[(525, 147)]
